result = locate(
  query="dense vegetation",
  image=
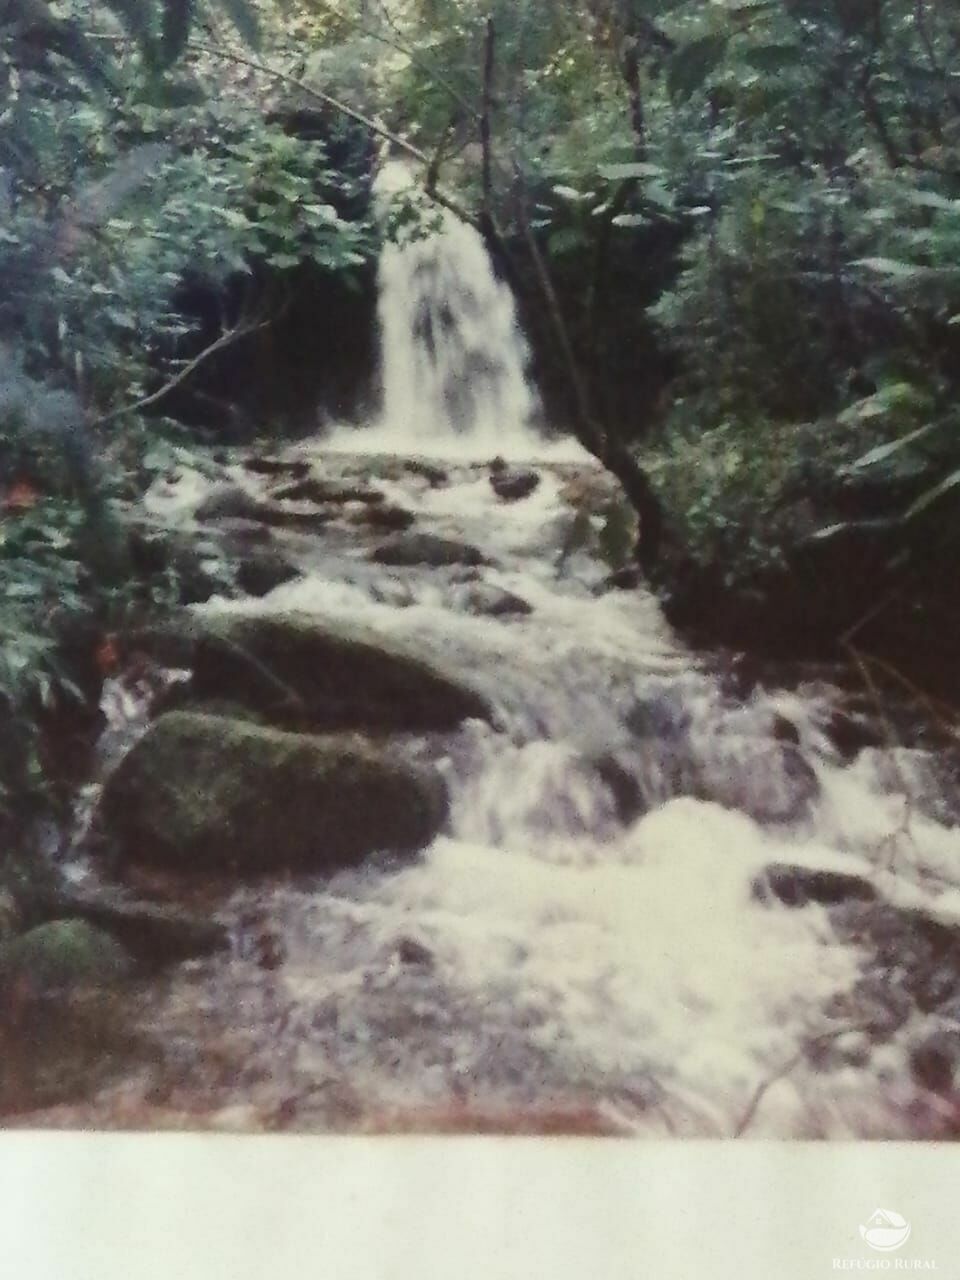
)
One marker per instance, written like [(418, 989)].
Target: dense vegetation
[(733, 229)]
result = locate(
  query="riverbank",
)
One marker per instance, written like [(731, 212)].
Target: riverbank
[(783, 544)]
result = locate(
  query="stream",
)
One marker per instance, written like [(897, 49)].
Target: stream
[(677, 894)]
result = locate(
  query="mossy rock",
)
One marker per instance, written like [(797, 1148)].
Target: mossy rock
[(207, 793), (301, 670), (62, 955), (155, 935)]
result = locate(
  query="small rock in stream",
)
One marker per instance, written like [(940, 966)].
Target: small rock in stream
[(511, 486), (771, 782), (411, 952), (409, 549), (785, 730), (229, 502), (385, 517), (489, 601), (263, 572), (322, 492), (933, 1061), (795, 886), (624, 785), (435, 476), (850, 734), (629, 578), (233, 503), (297, 469)]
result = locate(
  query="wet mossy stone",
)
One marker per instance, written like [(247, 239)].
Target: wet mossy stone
[(413, 548), (155, 935), (301, 671), (64, 955), (205, 793), (261, 572)]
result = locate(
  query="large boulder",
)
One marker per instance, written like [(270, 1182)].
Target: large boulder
[(303, 671), (206, 793)]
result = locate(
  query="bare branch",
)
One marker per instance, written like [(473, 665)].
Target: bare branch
[(401, 46), (226, 339), (485, 113)]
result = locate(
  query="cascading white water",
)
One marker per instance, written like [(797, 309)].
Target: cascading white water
[(454, 361), (599, 921), (589, 928)]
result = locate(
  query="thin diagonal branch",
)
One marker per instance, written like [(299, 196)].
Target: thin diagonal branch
[(226, 339)]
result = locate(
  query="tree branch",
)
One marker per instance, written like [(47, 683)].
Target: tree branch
[(228, 338), (485, 112), (374, 126), (605, 447)]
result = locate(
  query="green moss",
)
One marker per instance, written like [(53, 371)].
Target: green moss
[(202, 792), (63, 954)]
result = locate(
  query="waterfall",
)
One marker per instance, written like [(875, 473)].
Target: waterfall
[(454, 360)]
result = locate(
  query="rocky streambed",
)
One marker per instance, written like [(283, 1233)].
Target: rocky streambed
[(417, 816)]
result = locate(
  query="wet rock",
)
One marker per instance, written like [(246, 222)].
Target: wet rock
[(489, 601), (624, 786), (435, 476), (229, 501), (169, 644), (199, 577), (322, 492), (301, 521), (428, 549), (785, 730), (850, 734), (511, 486), (660, 717), (63, 955), (202, 793), (629, 578), (233, 503), (385, 517), (933, 1061), (149, 550), (771, 782), (263, 571), (268, 950), (155, 936), (795, 886), (915, 956), (398, 594), (301, 670), (411, 952), (235, 538), (264, 466)]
